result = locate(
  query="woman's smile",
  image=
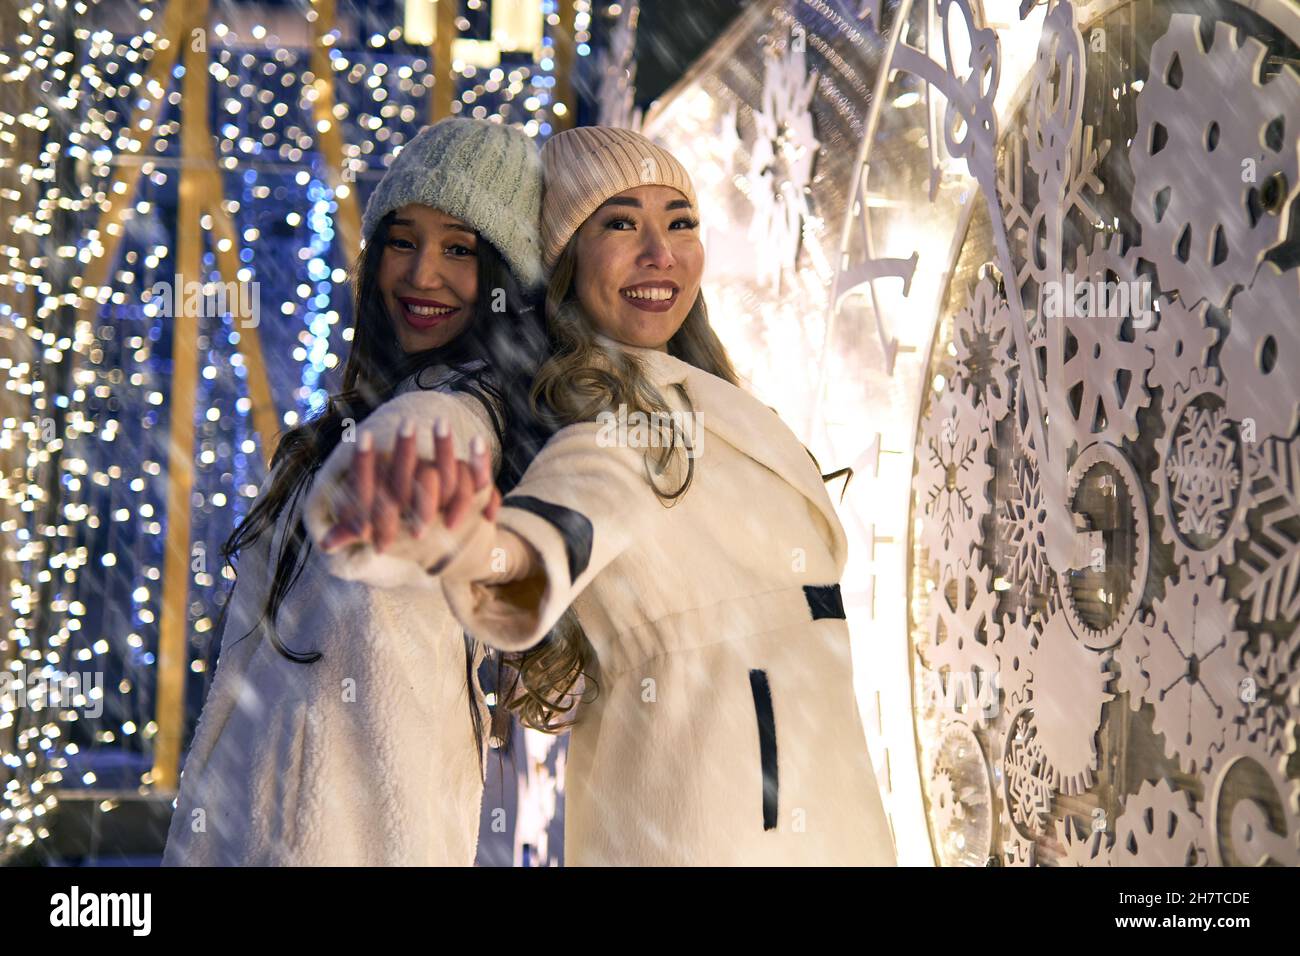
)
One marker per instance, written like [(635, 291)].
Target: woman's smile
[(655, 296), (424, 314)]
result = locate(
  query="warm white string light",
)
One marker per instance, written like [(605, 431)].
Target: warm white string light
[(113, 357)]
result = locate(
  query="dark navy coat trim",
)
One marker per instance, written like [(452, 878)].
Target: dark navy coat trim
[(824, 601), (574, 528), (766, 744)]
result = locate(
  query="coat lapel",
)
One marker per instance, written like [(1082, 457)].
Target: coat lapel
[(745, 423)]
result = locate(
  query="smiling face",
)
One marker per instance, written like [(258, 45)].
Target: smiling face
[(638, 265), (428, 276)]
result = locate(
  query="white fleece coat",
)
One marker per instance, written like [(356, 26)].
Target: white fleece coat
[(725, 730), (366, 757)]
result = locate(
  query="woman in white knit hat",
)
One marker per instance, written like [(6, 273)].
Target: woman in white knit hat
[(345, 724), (688, 567)]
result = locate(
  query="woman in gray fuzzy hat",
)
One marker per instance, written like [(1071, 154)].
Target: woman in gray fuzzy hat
[(345, 724)]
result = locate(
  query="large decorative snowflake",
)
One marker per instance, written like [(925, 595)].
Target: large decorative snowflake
[(781, 163), (1199, 476), (1203, 477), (1027, 778), (1195, 665), (1193, 243), (962, 631), (1017, 849), (983, 340), (953, 475), (1082, 845), (1272, 695), (1024, 522), (1271, 559)]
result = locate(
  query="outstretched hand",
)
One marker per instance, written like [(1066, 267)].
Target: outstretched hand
[(391, 498)]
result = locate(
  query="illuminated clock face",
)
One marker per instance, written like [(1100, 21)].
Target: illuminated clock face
[(1105, 499), (1041, 322)]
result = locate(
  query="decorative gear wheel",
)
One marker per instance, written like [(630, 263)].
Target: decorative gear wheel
[(1038, 350), (1229, 501), (1159, 827), (961, 798), (1181, 344), (1055, 107), (983, 341), (1130, 655), (953, 476), (1100, 385), (1203, 225), (1261, 354), (1015, 653), (944, 807), (1089, 593), (1069, 692), (1200, 493), (1195, 667), (1259, 804)]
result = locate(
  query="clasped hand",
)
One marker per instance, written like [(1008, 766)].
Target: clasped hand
[(424, 510)]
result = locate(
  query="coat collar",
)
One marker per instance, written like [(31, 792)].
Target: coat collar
[(745, 423)]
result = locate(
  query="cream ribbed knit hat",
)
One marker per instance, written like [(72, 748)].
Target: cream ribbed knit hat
[(584, 166), (484, 173)]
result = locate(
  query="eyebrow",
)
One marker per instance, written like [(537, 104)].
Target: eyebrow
[(636, 203), (457, 226)]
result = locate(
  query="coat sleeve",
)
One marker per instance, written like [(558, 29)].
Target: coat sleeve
[(580, 504), (358, 562)]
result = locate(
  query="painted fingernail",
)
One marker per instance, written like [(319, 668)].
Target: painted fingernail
[(476, 445), (440, 427), (367, 441), (407, 428)]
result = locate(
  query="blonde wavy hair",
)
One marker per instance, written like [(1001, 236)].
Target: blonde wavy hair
[(581, 379)]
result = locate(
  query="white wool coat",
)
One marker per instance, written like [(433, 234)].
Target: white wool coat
[(725, 730), (365, 757)]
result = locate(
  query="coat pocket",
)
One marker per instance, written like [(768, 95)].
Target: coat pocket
[(290, 769), (766, 744)]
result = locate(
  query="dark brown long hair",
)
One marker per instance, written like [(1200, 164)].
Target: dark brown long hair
[(493, 359)]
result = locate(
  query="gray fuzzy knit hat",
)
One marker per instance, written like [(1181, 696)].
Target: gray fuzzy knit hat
[(487, 174)]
